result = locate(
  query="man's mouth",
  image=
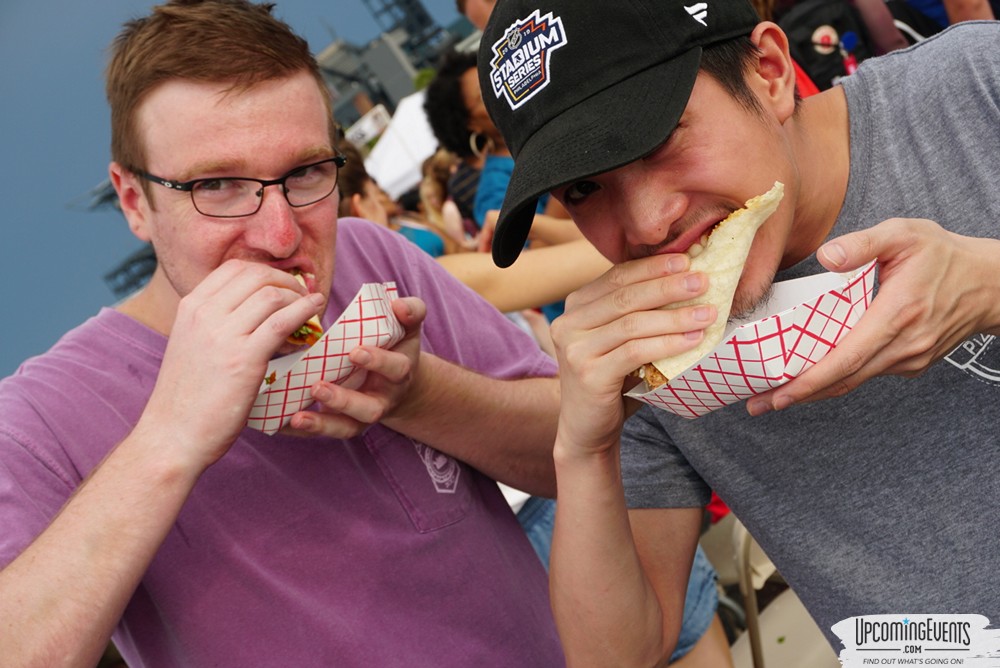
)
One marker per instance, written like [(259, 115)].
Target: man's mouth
[(691, 242), (307, 279), (695, 249)]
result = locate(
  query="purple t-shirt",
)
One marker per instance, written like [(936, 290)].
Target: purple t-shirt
[(372, 551)]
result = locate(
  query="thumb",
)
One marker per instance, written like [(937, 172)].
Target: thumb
[(410, 311), (849, 251)]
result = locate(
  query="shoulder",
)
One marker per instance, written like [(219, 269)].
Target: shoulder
[(84, 393), (369, 253), (966, 45), (354, 232), (946, 69)]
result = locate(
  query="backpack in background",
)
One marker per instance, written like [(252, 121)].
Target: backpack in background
[(827, 38)]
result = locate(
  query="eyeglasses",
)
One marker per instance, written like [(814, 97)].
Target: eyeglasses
[(235, 197)]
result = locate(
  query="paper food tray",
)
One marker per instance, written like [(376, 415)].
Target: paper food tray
[(367, 320)]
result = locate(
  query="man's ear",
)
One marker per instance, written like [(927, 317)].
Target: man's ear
[(775, 71), (357, 205), (133, 201)]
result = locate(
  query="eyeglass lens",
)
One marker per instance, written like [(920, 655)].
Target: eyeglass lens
[(235, 197)]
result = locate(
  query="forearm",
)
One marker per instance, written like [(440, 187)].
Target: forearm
[(552, 231), (879, 21), (503, 428), (541, 276), (62, 597), (605, 609), (968, 10)]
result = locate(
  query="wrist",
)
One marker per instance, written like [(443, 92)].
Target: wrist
[(170, 453), (582, 473), (568, 451)]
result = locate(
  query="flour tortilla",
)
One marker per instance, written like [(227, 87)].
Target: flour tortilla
[(722, 259)]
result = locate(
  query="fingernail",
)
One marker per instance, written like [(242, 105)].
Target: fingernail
[(834, 252), (781, 403), (322, 393), (693, 335), (304, 422), (676, 264), (702, 314), (693, 282), (758, 407), (361, 357)]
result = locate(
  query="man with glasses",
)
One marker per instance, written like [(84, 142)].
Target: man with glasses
[(133, 499)]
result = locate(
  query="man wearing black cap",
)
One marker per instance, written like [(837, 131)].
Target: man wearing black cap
[(651, 121)]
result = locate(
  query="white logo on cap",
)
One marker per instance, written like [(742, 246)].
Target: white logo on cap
[(699, 12), (520, 65)]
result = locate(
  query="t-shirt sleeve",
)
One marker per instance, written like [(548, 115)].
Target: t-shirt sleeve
[(655, 473), (32, 490)]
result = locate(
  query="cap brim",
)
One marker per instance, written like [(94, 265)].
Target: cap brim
[(618, 125)]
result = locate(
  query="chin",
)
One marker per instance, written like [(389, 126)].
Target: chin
[(749, 297)]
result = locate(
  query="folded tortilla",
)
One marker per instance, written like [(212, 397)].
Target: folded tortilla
[(722, 258)]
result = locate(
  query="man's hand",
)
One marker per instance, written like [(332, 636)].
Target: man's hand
[(224, 333), (613, 326), (387, 389), (488, 230), (936, 289)]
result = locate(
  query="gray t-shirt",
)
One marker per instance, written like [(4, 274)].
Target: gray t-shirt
[(881, 501)]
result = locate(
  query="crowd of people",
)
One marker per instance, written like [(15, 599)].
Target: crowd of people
[(484, 494)]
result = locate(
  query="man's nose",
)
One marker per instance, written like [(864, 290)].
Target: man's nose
[(650, 210), (274, 228)]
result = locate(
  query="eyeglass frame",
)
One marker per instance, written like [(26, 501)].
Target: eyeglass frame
[(188, 186)]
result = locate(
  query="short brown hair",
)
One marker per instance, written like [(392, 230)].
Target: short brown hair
[(212, 41)]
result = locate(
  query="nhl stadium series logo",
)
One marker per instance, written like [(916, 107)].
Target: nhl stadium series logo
[(520, 65)]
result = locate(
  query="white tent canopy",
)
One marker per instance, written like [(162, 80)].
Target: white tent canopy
[(395, 161)]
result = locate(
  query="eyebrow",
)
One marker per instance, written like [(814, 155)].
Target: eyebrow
[(239, 167)]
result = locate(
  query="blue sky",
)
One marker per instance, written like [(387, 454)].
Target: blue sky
[(54, 140)]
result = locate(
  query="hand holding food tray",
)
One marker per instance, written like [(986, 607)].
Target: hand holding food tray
[(803, 320), (367, 320)]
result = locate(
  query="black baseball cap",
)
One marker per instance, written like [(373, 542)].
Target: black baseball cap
[(581, 87)]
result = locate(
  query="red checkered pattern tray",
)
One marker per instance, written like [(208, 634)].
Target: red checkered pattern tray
[(367, 320), (768, 352)]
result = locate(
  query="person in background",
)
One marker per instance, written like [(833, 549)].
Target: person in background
[(950, 12), (455, 111), (839, 474), (134, 500), (437, 206), (477, 11)]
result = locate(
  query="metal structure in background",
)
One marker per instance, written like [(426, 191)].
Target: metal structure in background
[(365, 80), (135, 270), (424, 36), (132, 273)]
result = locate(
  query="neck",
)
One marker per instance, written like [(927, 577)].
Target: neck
[(821, 143), (155, 306)]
